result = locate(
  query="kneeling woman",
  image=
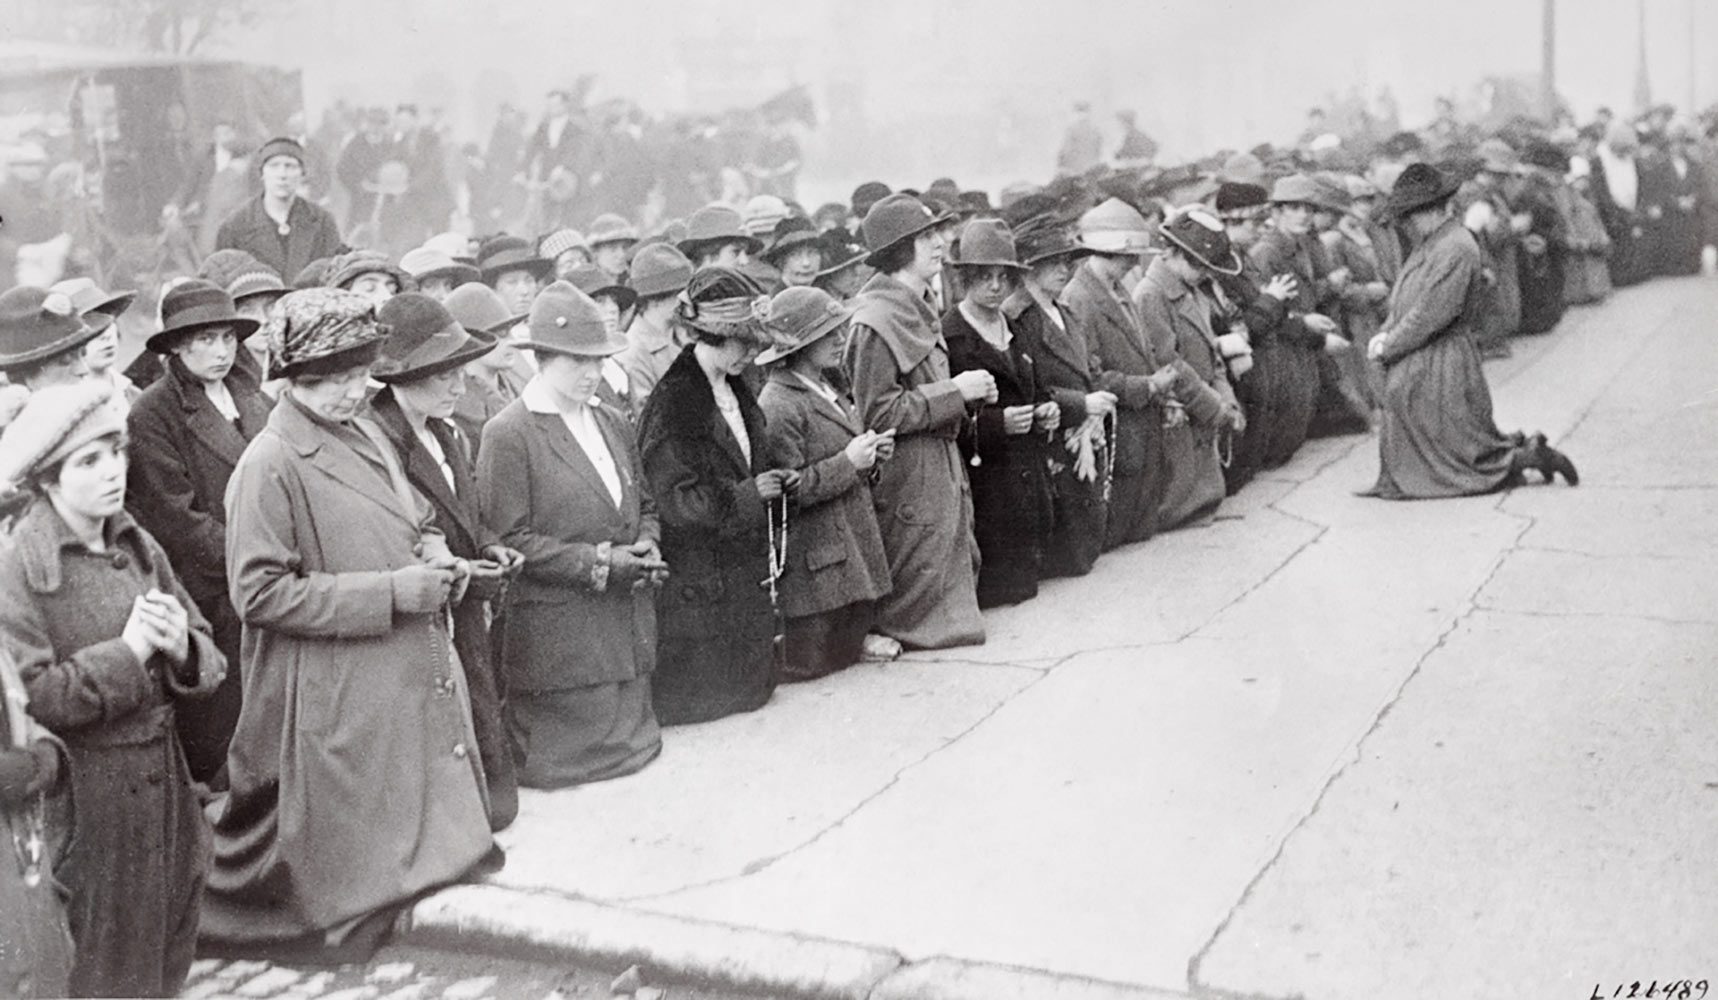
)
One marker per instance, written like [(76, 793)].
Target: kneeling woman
[(559, 480), (356, 782), (1438, 437), (710, 469), (835, 568), (107, 641)]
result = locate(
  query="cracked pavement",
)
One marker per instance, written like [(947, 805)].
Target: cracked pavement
[(1323, 746)]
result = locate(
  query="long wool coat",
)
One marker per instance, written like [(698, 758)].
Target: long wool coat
[(135, 870), (311, 235), (1438, 437), (456, 516), (1010, 480), (716, 626), (1177, 318), (898, 365), (1104, 312), (182, 453), (1291, 382), (355, 778)]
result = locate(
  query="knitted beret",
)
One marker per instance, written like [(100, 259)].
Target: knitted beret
[(56, 421)]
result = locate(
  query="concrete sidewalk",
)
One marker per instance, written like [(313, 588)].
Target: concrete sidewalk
[(1324, 746)]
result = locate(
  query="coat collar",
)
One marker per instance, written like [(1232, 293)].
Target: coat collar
[(839, 413), (420, 466), (41, 536), (206, 423), (694, 414), (546, 417), (334, 450)]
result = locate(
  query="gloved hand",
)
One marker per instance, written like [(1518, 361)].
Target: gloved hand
[(24, 772), (630, 570)]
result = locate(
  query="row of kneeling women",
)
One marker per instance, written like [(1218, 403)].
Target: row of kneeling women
[(363, 631)]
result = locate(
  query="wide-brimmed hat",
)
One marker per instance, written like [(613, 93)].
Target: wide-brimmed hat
[(565, 320), (56, 421), (1201, 236), (723, 302), (1043, 237), (798, 318), (1295, 189), (762, 213), (1497, 157), (425, 263), (36, 324), (713, 225), (659, 269), (196, 305), (349, 267), (1420, 185), (560, 241), (1332, 193), (87, 297), (1115, 227), (789, 234), (479, 309), (840, 250), (322, 331), (610, 228), (594, 281), (988, 243), (895, 218), (500, 254), (423, 340), (1239, 199)]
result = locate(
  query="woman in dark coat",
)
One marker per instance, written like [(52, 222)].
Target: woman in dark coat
[(898, 365), (420, 369), (1291, 370), (355, 780), (1081, 451), (836, 567), (560, 481), (188, 430), (1438, 438), (709, 464), (1100, 305), (107, 642), (1004, 443)]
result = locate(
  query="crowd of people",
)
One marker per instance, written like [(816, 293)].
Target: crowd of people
[(364, 543)]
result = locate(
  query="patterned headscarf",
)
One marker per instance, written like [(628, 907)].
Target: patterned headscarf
[(320, 331)]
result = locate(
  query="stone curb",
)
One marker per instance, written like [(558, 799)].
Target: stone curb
[(490, 918)]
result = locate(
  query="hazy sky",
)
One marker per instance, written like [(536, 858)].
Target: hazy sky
[(1201, 73)]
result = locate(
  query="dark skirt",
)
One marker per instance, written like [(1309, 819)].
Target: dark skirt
[(1011, 518), (1288, 383), (1079, 518), (1438, 437), (585, 734), (819, 645), (1136, 487), (716, 635)]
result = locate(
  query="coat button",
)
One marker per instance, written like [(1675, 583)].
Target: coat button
[(459, 750), (120, 560)]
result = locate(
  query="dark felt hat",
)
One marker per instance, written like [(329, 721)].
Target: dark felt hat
[(594, 281), (88, 297), (988, 243), (798, 318), (659, 269), (500, 254), (897, 217), (790, 233), (1201, 235), (1044, 237), (1238, 196), (868, 194), (1420, 185), (565, 320), (479, 309), (423, 340), (714, 225), (196, 305), (840, 251), (36, 324)]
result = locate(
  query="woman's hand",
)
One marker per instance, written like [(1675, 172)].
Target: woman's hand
[(163, 623), (636, 569), (1163, 381), (1047, 417), (771, 484), (1016, 419), (862, 450), (1318, 323), (1100, 403), (419, 590), (511, 560), (976, 386), (1282, 287)]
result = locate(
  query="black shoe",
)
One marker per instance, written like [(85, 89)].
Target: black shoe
[(1550, 462)]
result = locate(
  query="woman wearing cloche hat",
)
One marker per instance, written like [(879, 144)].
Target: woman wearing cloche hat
[(560, 481), (714, 474), (836, 567), (188, 430), (1438, 437), (356, 736), (898, 364), (108, 643), (1004, 443)]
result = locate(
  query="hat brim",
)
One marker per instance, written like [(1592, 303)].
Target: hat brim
[(612, 345), (1013, 265), (456, 273), (937, 219), (540, 267), (70, 341), (476, 346), (692, 248), (1202, 260), (829, 324), (790, 242), (1117, 241), (272, 293), (859, 257), (672, 287), (623, 296), (592, 243), (162, 343), (1393, 209), (114, 305), (1075, 251)]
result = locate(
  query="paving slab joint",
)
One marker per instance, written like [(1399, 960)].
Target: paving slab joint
[(549, 927), (944, 978)]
